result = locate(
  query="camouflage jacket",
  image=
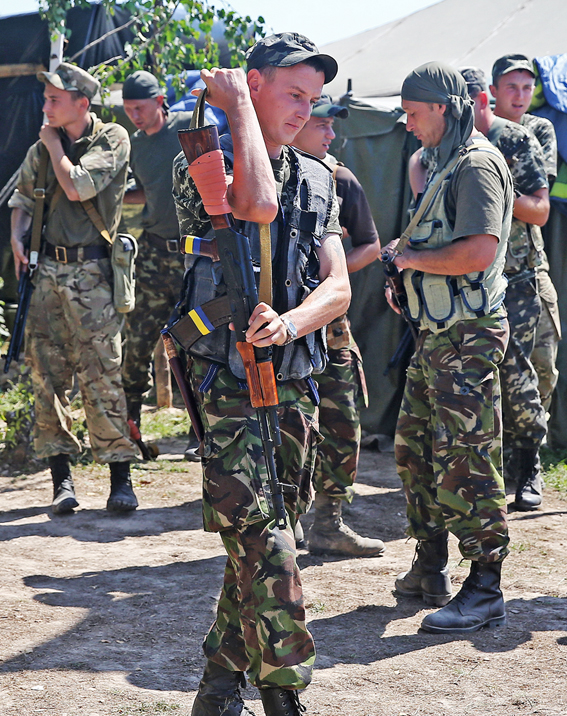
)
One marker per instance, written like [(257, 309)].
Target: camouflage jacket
[(100, 159), (544, 132)]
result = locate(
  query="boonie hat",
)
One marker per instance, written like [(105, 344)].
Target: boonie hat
[(324, 107), (475, 79), (509, 63), (286, 49), (71, 78)]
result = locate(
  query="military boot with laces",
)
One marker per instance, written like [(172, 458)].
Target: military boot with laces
[(281, 702), (478, 604), (429, 574), (330, 535), (64, 500), (219, 692), (122, 497)]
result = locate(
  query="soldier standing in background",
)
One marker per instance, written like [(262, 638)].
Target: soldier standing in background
[(448, 437), (342, 386), (513, 98), (73, 327), (525, 424), (159, 264)]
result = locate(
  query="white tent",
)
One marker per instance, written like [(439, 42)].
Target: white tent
[(457, 32)]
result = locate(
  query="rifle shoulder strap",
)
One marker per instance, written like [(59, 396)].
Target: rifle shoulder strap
[(37, 218), (265, 287), (96, 218)]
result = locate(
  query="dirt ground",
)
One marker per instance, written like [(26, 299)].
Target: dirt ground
[(104, 615)]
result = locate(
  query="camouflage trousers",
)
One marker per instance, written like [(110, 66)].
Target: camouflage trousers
[(448, 438), (260, 625), (159, 278), (525, 425), (73, 329), (547, 337), (343, 394)]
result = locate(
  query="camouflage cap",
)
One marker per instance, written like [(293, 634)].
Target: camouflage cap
[(287, 49), (509, 63), (324, 107), (475, 79), (71, 78)]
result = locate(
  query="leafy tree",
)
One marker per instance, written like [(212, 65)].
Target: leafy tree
[(165, 35)]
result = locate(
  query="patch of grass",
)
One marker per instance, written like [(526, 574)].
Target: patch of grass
[(164, 423), (554, 464), (317, 607), (519, 546)]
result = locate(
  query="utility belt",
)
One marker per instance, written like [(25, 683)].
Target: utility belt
[(167, 246), (76, 254)]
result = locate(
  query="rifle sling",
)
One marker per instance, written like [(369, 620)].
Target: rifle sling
[(37, 218)]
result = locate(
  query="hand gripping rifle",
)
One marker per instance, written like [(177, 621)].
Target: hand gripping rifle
[(25, 286), (233, 251)]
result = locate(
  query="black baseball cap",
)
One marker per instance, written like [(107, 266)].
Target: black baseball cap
[(475, 79), (286, 49)]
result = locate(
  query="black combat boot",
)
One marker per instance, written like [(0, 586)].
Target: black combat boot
[(64, 499), (122, 497), (281, 702), (528, 477), (192, 450), (429, 573), (478, 604), (330, 535), (219, 692)]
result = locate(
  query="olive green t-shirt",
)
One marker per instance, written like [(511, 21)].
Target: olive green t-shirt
[(151, 160), (479, 195)]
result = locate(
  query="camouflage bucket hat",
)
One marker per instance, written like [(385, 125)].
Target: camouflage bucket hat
[(71, 78), (509, 63), (324, 107), (287, 49)]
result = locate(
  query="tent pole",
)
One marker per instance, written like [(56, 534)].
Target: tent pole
[(56, 51)]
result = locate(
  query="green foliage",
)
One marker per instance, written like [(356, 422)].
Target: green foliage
[(163, 44), (164, 423), (16, 414), (554, 464), (4, 333)]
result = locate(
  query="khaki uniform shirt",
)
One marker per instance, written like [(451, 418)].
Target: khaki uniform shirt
[(99, 173)]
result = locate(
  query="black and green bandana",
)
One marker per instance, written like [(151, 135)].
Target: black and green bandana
[(440, 84)]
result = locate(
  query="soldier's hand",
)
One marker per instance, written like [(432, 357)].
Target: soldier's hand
[(390, 249), (266, 327), (390, 298), (225, 87), (49, 135), (20, 259)]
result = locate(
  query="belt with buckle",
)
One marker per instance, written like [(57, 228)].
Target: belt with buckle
[(66, 255), (170, 246)]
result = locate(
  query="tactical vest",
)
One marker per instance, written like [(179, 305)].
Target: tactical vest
[(295, 268), (525, 245), (436, 302)]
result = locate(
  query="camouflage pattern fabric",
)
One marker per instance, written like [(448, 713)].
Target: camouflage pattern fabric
[(260, 625), (234, 472), (547, 337), (343, 394), (159, 278), (73, 328), (448, 437), (525, 425)]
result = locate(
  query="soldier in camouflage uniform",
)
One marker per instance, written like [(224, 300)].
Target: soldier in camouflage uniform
[(525, 424), (342, 386), (72, 327), (159, 264), (260, 625), (548, 332), (448, 437)]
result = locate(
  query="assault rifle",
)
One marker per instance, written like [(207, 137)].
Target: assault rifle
[(234, 254), (25, 290), (395, 282)]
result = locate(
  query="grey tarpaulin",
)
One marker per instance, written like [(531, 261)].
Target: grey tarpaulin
[(374, 144)]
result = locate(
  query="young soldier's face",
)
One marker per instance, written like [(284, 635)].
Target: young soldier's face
[(61, 108), (513, 94), (426, 121), (144, 113), (283, 100), (316, 136)]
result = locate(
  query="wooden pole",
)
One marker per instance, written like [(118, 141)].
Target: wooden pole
[(164, 393)]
